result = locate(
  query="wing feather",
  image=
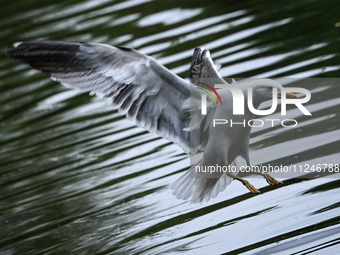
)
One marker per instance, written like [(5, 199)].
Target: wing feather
[(140, 87)]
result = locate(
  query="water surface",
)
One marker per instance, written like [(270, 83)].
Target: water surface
[(76, 177)]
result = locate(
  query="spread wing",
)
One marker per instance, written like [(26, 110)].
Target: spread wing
[(141, 88)]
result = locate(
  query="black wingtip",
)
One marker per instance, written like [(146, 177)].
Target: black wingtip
[(11, 49), (125, 48), (47, 56)]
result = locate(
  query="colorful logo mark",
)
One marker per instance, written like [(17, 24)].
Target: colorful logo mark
[(208, 92)]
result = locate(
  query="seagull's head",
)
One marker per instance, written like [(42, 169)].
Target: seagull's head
[(263, 90), (202, 65), (202, 57)]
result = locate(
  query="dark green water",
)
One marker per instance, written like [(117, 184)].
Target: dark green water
[(78, 178)]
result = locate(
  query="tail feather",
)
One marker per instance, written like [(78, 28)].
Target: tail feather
[(200, 186), (183, 188)]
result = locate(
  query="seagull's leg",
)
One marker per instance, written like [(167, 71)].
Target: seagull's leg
[(245, 183), (269, 179)]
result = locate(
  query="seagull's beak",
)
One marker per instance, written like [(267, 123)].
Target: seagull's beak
[(290, 95)]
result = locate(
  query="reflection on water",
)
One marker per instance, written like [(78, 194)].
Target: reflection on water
[(76, 177)]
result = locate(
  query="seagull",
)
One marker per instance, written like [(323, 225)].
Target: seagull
[(160, 102)]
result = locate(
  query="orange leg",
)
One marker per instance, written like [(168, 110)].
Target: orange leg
[(245, 183)]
